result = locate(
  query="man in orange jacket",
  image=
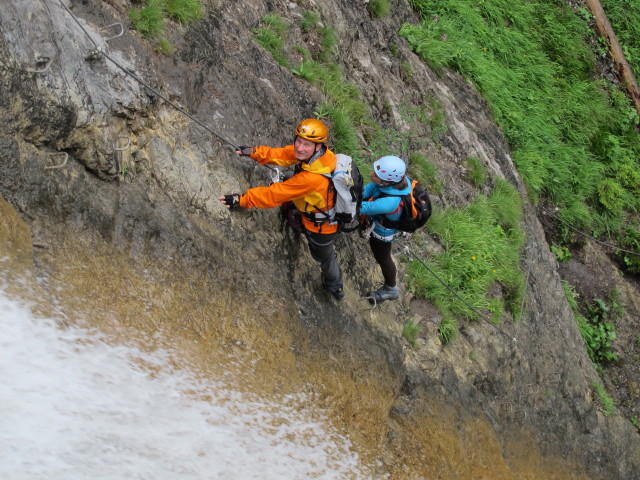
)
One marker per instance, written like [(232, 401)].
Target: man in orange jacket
[(308, 189)]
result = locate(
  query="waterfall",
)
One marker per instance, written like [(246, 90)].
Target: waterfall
[(74, 405)]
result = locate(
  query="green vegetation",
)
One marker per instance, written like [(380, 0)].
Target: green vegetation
[(425, 172), (309, 21), (271, 35), (573, 137), (411, 331), (631, 242), (448, 329), (626, 23), (165, 47), (407, 71), (344, 105), (378, 8), (482, 244), (594, 326), (437, 120), (476, 173), (184, 11), (562, 253), (607, 403), (328, 44), (149, 19)]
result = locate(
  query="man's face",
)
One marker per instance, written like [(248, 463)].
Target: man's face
[(304, 149)]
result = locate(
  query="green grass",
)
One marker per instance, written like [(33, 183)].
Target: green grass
[(184, 11), (421, 169), (378, 8), (328, 44), (476, 173), (597, 332), (149, 20), (309, 21), (482, 244), (447, 330), (626, 23), (606, 402), (165, 46), (572, 137), (411, 331), (272, 35)]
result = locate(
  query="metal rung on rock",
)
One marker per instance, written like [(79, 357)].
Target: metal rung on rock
[(116, 35), (41, 59), (64, 162), (519, 415), (120, 149), (504, 408)]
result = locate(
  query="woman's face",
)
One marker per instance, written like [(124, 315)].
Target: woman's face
[(375, 178), (304, 149)]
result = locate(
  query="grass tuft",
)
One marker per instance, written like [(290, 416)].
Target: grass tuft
[(184, 11), (149, 20), (606, 402), (411, 331), (482, 244), (379, 8)]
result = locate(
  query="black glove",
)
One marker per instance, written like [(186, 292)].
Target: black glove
[(231, 200), (244, 151)]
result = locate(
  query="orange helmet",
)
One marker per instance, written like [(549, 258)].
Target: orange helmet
[(313, 130)]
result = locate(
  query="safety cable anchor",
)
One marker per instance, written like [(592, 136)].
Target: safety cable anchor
[(64, 162), (93, 54), (40, 59), (117, 34)]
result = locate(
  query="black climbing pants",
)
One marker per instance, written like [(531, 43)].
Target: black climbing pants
[(322, 251), (382, 253)]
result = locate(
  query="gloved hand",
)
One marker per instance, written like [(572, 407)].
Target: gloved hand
[(244, 151), (231, 200)]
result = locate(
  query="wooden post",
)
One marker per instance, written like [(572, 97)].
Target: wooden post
[(623, 67)]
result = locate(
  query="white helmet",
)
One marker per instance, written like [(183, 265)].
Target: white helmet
[(390, 168)]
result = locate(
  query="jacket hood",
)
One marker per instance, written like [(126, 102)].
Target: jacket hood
[(323, 164)]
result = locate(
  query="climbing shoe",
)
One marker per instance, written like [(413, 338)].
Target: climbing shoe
[(383, 293), (337, 294)]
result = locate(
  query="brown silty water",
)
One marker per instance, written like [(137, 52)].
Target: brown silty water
[(261, 348)]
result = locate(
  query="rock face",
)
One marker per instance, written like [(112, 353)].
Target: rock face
[(135, 205)]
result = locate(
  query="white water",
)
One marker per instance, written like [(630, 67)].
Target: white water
[(73, 407)]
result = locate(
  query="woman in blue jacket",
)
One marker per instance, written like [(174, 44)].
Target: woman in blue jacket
[(388, 181)]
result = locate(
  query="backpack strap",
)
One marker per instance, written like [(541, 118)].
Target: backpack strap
[(383, 219)]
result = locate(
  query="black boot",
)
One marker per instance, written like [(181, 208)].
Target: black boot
[(383, 293)]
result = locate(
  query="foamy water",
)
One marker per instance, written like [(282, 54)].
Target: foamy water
[(74, 407)]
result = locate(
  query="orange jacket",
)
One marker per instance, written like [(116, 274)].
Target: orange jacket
[(307, 189)]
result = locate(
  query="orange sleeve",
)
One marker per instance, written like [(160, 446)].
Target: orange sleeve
[(284, 156), (275, 195)]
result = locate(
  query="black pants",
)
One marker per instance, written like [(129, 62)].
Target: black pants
[(322, 251), (382, 253)]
